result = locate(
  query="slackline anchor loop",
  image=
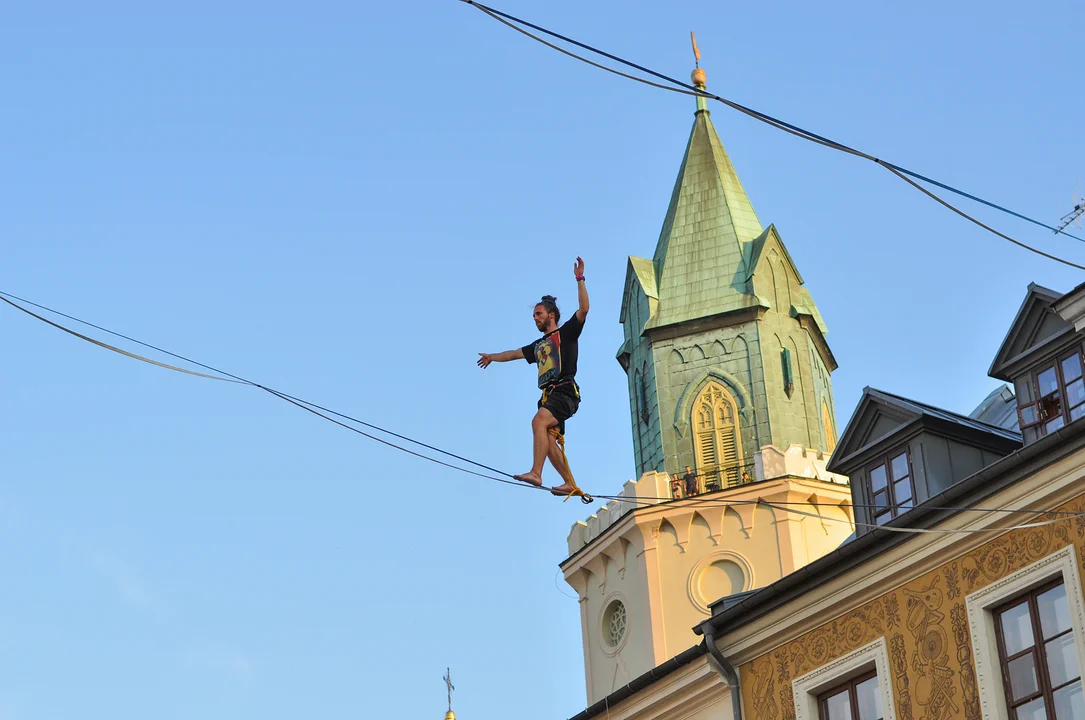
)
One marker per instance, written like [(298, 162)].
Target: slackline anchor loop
[(576, 491)]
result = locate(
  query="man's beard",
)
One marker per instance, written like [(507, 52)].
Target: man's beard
[(542, 325)]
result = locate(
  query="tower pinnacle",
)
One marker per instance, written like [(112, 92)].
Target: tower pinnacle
[(448, 684), (698, 75)]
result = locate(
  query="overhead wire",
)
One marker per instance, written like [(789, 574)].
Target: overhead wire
[(713, 501), (687, 89), (230, 377), (233, 377), (327, 415), (889, 528)]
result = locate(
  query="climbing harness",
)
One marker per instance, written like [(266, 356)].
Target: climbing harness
[(559, 383), (576, 491)]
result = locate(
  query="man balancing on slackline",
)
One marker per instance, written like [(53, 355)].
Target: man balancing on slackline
[(555, 354)]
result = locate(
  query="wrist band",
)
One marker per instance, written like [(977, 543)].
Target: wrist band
[(580, 278)]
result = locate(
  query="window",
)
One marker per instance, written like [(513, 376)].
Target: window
[(789, 378), (614, 626), (853, 687), (1038, 655), (891, 487), (853, 700), (614, 621), (1061, 392), (1003, 604), (715, 436)]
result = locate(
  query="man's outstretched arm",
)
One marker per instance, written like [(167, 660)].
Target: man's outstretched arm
[(484, 359), (581, 291)]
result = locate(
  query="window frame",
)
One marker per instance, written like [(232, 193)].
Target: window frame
[(1062, 563), (1037, 405), (1038, 650), (893, 509), (719, 473), (848, 686), (807, 689)]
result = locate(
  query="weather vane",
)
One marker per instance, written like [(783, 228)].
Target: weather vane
[(448, 683), (697, 76)]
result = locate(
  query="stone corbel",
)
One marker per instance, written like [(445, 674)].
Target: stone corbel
[(598, 567), (578, 581), (681, 524), (745, 512), (642, 538), (616, 552), (714, 517)]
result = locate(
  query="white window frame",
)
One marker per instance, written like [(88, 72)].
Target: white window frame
[(981, 621), (806, 688)]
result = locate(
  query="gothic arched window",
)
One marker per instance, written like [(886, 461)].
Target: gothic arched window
[(827, 423), (717, 445)]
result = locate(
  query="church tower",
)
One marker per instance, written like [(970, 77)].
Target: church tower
[(728, 372), (724, 348)]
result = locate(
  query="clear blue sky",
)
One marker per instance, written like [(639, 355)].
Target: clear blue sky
[(348, 201)]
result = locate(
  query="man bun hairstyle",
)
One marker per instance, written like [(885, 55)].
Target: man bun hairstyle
[(549, 303)]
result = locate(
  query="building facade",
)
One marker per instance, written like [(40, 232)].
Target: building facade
[(960, 597), (943, 582)]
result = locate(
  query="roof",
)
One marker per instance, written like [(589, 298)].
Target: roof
[(1035, 322), (804, 304), (864, 429), (645, 273), (999, 408), (970, 492), (758, 245), (642, 681), (947, 415), (700, 260)]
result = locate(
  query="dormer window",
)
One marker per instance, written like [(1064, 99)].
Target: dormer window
[(1061, 392), (891, 487), (917, 452)]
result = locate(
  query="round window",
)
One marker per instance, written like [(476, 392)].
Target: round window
[(614, 623)]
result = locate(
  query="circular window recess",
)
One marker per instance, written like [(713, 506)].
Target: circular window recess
[(720, 579), (614, 623)]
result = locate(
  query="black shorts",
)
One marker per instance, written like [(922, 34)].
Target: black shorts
[(562, 402)]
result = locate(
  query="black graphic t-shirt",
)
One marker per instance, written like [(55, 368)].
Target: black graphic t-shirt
[(555, 354)]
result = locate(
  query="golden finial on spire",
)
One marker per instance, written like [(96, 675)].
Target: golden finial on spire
[(698, 75)]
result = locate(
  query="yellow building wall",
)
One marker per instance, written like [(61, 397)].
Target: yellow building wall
[(672, 560), (925, 624)]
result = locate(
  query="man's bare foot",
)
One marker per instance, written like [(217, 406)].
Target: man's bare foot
[(563, 489), (531, 478)]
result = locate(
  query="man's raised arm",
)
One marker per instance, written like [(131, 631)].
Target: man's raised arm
[(581, 291), (484, 359)]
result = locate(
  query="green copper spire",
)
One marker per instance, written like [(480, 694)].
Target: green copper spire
[(723, 348), (700, 258)]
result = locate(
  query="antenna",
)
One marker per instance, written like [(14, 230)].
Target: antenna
[(1074, 216)]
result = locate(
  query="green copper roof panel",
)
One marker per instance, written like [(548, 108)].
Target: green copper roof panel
[(646, 274), (700, 259)]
